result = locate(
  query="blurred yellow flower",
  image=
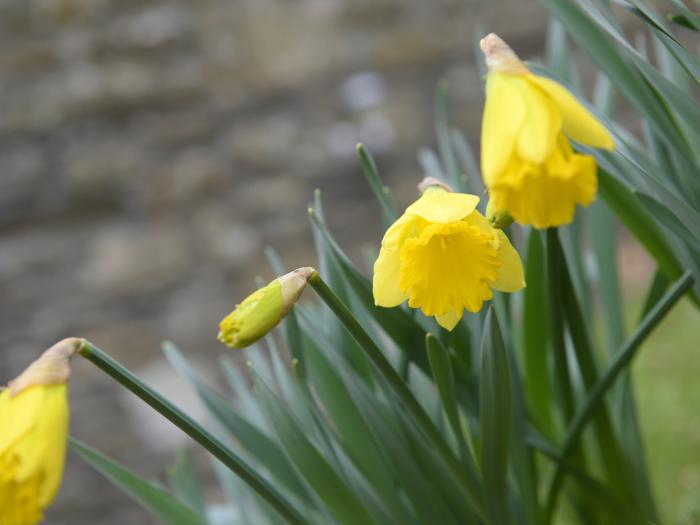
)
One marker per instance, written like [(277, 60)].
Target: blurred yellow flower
[(33, 433), (444, 257), (528, 164), (263, 309)]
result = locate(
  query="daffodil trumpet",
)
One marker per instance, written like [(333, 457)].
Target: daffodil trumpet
[(529, 166), (444, 257)]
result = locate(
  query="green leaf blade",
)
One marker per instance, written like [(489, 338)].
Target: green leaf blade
[(496, 421), (152, 497)]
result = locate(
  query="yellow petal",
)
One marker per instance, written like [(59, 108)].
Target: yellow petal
[(449, 320), (53, 432), (579, 123), (537, 137), (385, 283), (32, 458), (405, 226), (14, 422), (511, 276), (503, 116), (438, 205)]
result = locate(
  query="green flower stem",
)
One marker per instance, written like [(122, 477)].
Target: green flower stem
[(471, 486), (193, 429), (619, 363)]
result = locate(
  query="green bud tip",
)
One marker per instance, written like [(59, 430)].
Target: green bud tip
[(262, 310)]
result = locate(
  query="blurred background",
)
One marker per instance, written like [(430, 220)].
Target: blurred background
[(150, 150)]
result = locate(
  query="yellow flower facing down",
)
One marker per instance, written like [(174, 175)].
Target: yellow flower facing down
[(263, 309), (443, 256), (33, 434), (529, 167)]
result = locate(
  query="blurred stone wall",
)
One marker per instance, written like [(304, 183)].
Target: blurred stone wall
[(149, 151)]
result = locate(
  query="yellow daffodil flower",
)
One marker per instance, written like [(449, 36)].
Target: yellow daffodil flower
[(33, 433), (444, 257), (263, 309), (529, 167)]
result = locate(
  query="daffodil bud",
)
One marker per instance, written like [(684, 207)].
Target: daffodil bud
[(33, 434), (262, 310), (498, 219)]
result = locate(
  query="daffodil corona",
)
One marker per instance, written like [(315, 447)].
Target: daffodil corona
[(33, 433), (443, 256), (529, 167)]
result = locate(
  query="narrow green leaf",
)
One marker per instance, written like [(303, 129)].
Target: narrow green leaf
[(399, 325), (425, 495), (336, 276), (557, 54), (351, 427), (604, 95), (255, 441), (185, 483), (496, 416), (381, 192), (638, 221), (190, 427), (437, 471), (444, 141), (467, 164), (620, 362), (687, 228), (443, 375), (535, 354), (593, 489), (685, 21), (572, 243), (152, 497), (587, 368), (657, 288), (526, 505), (602, 228), (591, 38), (557, 329), (341, 500), (399, 388), (430, 163)]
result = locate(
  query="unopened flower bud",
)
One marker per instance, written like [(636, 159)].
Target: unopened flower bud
[(262, 310), (499, 219)]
